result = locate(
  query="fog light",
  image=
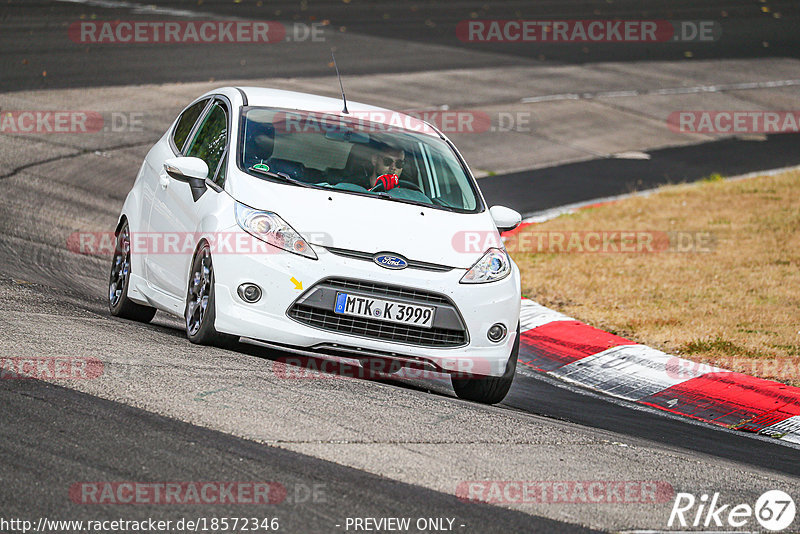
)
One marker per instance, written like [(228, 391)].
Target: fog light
[(496, 333), (249, 292)]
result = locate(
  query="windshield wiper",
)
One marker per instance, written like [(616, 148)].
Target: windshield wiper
[(444, 205), (280, 175), (387, 196)]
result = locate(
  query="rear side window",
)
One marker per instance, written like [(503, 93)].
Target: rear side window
[(186, 121), (211, 139)]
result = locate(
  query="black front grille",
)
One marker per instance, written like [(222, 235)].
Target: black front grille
[(371, 328), (366, 256), (387, 291)]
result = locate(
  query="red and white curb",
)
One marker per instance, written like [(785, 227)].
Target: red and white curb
[(575, 352)]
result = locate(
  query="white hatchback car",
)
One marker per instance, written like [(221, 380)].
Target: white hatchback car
[(283, 218)]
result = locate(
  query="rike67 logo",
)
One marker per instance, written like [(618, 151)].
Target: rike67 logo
[(774, 510)]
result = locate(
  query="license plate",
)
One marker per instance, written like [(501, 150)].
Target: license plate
[(385, 310)]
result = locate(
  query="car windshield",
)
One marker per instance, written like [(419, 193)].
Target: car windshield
[(356, 155)]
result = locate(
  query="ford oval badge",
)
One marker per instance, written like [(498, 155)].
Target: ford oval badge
[(390, 261)]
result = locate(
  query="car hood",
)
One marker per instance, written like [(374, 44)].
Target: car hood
[(354, 222)]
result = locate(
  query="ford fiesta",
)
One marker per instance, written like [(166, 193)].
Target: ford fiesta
[(292, 220)]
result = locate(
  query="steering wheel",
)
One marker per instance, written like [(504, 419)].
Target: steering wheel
[(410, 185)]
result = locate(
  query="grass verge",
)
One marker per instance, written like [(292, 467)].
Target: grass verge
[(709, 271)]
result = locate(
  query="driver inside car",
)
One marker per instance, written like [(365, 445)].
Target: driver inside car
[(387, 165), (366, 163)]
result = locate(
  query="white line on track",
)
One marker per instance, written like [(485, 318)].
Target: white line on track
[(786, 430), (618, 401), (715, 88), (552, 213), (631, 372), (141, 9)]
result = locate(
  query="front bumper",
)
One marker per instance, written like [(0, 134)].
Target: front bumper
[(478, 307)]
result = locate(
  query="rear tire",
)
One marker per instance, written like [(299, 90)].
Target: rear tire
[(118, 302), (200, 311), (488, 389)]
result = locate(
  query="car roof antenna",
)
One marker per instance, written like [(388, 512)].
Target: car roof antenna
[(344, 98)]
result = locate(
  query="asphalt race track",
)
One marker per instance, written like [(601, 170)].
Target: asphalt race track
[(408, 25), (65, 416), (164, 410), (601, 178)]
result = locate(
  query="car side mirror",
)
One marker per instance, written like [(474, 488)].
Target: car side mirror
[(189, 170), (505, 218)]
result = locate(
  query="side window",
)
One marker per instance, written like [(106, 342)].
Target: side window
[(211, 138), (186, 121)]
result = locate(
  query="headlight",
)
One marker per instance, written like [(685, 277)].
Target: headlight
[(270, 228), (494, 265)]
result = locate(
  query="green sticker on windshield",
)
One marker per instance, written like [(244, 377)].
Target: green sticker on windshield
[(261, 167)]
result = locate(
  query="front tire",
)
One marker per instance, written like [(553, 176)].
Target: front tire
[(201, 311), (118, 302), (488, 389)]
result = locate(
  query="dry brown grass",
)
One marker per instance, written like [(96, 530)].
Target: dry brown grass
[(736, 306)]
